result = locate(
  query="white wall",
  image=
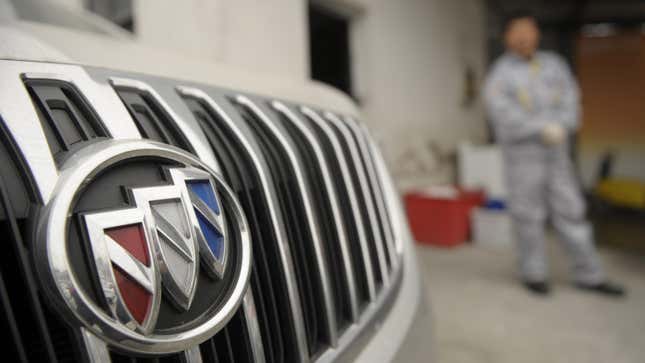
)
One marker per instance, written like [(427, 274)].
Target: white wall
[(411, 82), (72, 4), (193, 29), (259, 35)]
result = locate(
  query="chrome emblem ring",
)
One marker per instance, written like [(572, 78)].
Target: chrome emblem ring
[(151, 265)]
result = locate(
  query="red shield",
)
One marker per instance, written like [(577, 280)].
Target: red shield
[(136, 298), (125, 266)]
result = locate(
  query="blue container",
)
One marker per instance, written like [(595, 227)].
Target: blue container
[(495, 204)]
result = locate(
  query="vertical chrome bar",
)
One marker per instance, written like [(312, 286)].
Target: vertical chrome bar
[(192, 355), (314, 231), (268, 189), (364, 190), (333, 201), (375, 180), (248, 303), (101, 99), (353, 201), (201, 149), (392, 199), (95, 348), (22, 121), (251, 317)]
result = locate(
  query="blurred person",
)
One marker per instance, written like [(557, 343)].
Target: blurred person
[(533, 101)]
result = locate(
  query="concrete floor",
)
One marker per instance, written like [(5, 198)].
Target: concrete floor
[(481, 313)]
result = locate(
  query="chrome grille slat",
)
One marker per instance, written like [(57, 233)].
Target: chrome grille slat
[(261, 278), (262, 285), (366, 194), (9, 317), (208, 351), (363, 139), (362, 238), (188, 133), (17, 349), (253, 329), (383, 180), (333, 201), (29, 318), (192, 355), (23, 124), (64, 112), (291, 211), (277, 224), (309, 212), (97, 350), (224, 347)]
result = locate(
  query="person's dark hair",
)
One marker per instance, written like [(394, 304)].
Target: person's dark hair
[(516, 14)]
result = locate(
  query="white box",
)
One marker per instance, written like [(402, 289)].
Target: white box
[(491, 227), (482, 167)]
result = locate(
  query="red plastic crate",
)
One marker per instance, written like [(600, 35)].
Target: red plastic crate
[(440, 221)]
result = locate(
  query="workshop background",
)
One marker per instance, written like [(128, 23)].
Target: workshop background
[(416, 67)]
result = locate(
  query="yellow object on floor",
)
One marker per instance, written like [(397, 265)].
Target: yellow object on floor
[(622, 192)]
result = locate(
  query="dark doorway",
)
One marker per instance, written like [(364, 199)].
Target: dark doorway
[(329, 54), (120, 12)]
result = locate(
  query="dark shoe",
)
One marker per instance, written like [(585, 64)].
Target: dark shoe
[(538, 287), (604, 288)]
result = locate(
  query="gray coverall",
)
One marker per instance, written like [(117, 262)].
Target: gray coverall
[(522, 97)]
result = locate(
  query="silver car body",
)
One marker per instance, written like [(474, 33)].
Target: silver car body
[(396, 324)]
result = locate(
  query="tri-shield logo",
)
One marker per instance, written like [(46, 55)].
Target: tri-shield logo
[(143, 246), (158, 245)]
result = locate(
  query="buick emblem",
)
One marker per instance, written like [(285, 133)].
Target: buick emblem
[(145, 246)]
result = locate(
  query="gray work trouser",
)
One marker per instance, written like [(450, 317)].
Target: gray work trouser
[(542, 183)]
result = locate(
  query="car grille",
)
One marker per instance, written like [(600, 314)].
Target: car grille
[(311, 184)]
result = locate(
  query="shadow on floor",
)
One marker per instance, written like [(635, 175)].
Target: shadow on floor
[(481, 313)]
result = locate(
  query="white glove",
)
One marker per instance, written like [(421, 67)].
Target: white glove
[(553, 134)]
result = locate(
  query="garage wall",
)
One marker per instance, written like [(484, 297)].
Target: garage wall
[(411, 82), (71, 3), (258, 35)]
